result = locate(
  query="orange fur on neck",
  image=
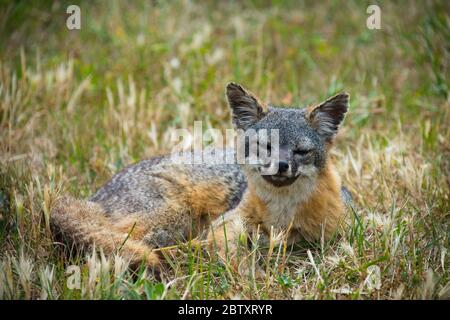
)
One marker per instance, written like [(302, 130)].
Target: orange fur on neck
[(320, 214)]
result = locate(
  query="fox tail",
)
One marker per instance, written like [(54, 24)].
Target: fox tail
[(86, 224)]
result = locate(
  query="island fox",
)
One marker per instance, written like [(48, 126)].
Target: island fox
[(156, 203)]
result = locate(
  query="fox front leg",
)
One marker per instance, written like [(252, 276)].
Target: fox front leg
[(229, 237), (226, 234)]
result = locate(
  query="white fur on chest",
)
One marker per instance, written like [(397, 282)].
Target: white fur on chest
[(283, 202)]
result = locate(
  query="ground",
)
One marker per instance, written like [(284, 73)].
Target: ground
[(78, 105)]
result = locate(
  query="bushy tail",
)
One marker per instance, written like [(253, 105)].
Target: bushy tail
[(86, 224)]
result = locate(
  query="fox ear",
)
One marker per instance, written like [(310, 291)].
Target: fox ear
[(328, 115), (245, 107)]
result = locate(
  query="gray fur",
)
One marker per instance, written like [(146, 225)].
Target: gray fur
[(347, 197), (138, 188)]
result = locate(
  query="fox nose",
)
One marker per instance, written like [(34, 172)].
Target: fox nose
[(283, 166)]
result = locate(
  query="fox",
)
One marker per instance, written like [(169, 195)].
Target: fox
[(157, 203)]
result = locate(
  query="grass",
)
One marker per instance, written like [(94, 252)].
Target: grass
[(76, 106)]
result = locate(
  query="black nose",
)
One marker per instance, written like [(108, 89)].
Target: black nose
[(282, 166)]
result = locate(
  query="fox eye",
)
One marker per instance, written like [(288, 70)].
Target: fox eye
[(302, 152), (268, 147), (260, 143)]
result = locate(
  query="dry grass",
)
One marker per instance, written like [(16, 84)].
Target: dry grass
[(76, 106)]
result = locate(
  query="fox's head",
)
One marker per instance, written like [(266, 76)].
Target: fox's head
[(305, 135)]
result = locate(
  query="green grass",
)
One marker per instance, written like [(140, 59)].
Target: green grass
[(76, 106)]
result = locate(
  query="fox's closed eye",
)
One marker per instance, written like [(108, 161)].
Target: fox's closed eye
[(302, 152), (267, 145), (263, 144)]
